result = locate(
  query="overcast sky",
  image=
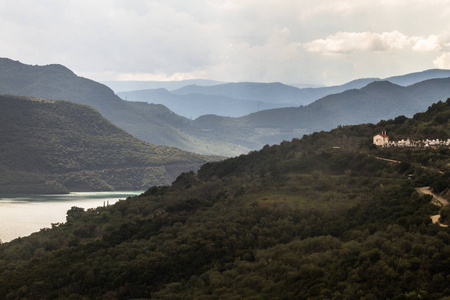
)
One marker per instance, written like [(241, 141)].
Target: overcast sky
[(290, 41)]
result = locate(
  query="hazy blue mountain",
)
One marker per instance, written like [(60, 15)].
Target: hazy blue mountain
[(377, 101), (195, 105), (239, 99), (130, 85), (280, 93), (267, 92), (235, 99), (412, 78), (231, 99)]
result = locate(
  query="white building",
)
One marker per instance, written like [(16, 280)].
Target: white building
[(381, 139)]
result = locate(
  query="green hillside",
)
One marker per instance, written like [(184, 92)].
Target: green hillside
[(58, 146), (299, 220), (149, 122), (210, 134)]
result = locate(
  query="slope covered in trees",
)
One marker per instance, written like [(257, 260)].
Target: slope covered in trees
[(299, 220), (226, 136), (149, 122), (57, 146)]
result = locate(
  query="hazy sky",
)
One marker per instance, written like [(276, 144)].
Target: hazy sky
[(291, 41)]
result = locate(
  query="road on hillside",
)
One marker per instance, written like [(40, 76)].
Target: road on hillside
[(388, 160), (426, 191)]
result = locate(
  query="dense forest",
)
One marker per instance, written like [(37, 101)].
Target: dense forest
[(58, 146), (322, 217)]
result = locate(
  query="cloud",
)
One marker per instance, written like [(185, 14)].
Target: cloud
[(430, 43), (268, 60), (351, 42), (443, 61), (340, 8), (231, 40)]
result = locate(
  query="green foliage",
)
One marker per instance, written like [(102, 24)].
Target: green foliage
[(59, 146), (445, 215), (74, 213), (299, 220)]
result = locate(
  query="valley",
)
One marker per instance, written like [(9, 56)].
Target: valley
[(368, 101), (301, 219), (203, 150)]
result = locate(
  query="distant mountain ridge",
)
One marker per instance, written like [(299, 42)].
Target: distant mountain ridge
[(57, 146), (211, 134), (413, 78), (243, 98), (131, 85), (194, 105), (377, 101)]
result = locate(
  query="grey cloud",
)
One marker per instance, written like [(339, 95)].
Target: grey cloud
[(225, 40)]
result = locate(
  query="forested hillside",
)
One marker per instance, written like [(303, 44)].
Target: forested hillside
[(227, 136), (299, 220), (57, 146), (149, 122)]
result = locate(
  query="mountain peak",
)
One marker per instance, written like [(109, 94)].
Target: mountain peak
[(412, 78), (380, 84), (6, 64), (60, 69)]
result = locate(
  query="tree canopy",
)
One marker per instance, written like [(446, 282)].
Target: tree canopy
[(299, 220)]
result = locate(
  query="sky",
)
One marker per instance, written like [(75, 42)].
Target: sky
[(323, 42)]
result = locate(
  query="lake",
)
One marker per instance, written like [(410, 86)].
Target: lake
[(21, 215)]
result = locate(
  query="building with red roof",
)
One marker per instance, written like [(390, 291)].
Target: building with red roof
[(381, 139)]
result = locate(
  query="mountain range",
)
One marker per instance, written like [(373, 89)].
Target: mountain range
[(131, 85), (194, 105), (242, 98), (226, 136), (57, 146), (299, 220), (379, 100), (149, 122)]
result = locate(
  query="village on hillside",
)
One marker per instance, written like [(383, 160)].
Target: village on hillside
[(382, 140)]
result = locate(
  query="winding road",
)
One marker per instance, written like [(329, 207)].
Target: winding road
[(426, 191)]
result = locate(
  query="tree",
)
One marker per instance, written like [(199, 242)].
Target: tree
[(74, 213), (445, 215)]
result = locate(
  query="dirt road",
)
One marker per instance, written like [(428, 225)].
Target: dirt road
[(426, 191)]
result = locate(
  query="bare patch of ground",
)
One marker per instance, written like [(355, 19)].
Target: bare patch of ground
[(436, 199)]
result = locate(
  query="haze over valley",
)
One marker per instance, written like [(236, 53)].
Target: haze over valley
[(225, 149), (239, 99), (226, 136)]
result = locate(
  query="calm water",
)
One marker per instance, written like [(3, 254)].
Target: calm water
[(21, 215)]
